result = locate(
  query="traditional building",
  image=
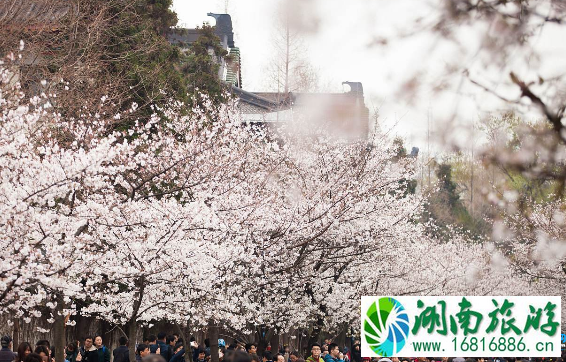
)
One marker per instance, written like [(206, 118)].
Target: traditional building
[(341, 113), (32, 16), (345, 113), (229, 70), (21, 19)]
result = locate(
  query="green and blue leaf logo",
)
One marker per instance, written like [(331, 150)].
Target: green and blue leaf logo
[(386, 327)]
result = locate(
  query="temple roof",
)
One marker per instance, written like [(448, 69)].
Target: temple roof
[(33, 14), (224, 27), (183, 36), (255, 100)]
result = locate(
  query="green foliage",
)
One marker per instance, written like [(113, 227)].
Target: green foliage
[(163, 18), (400, 153), (412, 186), (447, 185), (531, 190), (138, 53), (509, 129), (154, 70), (399, 148), (202, 68), (446, 209), (118, 50)]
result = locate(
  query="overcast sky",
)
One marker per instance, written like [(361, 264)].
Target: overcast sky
[(341, 36)]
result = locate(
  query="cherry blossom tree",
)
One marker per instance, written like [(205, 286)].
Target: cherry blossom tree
[(111, 220), (200, 219)]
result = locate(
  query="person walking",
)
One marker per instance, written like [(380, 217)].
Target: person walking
[(164, 348), (43, 351), (23, 350), (251, 348), (33, 357), (334, 354), (6, 353), (357, 352), (201, 355), (121, 354), (72, 351), (87, 353), (171, 341), (294, 356), (267, 356), (315, 353), (153, 346), (141, 351), (103, 353)]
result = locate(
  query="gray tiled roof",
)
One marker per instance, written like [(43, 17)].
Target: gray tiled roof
[(27, 14), (183, 37), (252, 99), (250, 108), (276, 97), (187, 36)]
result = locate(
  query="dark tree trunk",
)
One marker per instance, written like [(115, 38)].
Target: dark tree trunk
[(301, 342), (315, 334), (274, 341), (342, 336), (261, 342), (82, 327), (105, 334), (186, 336), (59, 333), (133, 322), (264, 336), (16, 338), (132, 335), (350, 338), (213, 338)]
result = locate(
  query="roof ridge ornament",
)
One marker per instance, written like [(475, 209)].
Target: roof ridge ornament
[(224, 26), (356, 88)]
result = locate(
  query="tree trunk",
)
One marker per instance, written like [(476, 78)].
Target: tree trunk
[(264, 335), (59, 333), (350, 339), (304, 347), (213, 339), (342, 336), (132, 335), (287, 59), (16, 338), (261, 342), (315, 334), (105, 334), (185, 335), (274, 341)]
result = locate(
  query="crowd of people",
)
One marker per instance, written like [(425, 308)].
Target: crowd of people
[(171, 348), (461, 359), (42, 351)]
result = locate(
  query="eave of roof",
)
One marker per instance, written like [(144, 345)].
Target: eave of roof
[(255, 100), (32, 15)]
